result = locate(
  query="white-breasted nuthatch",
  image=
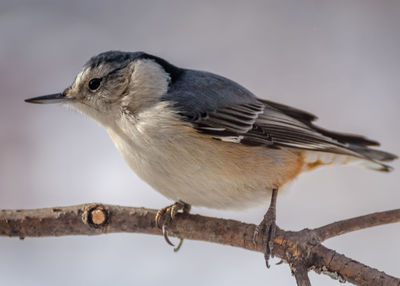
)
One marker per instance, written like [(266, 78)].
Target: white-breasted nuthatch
[(201, 139)]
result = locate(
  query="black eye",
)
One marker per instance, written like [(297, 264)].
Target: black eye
[(94, 83)]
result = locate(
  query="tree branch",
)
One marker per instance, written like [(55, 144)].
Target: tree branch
[(301, 274), (357, 223), (302, 250)]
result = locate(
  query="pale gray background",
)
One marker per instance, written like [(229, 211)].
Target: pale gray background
[(338, 59)]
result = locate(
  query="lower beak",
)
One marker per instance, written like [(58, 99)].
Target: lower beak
[(51, 98)]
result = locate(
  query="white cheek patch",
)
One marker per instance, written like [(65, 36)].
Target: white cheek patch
[(147, 71), (148, 83)]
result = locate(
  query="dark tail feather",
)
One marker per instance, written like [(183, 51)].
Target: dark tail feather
[(359, 144), (347, 138), (375, 157), (308, 118), (373, 154)]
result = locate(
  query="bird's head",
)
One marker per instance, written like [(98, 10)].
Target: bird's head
[(114, 80)]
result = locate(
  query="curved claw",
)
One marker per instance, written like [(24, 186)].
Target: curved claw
[(166, 215), (176, 249), (165, 234)]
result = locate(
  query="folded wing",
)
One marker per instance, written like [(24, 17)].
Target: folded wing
[(226, 111)]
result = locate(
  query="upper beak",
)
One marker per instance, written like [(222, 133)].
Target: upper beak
[(51, 98)]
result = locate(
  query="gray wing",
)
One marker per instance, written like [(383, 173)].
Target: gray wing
[(260, 124), (226, 111)]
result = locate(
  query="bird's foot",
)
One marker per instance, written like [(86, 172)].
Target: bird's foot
[(166, 215), (267, 228)]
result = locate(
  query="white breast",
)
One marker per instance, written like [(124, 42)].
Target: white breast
[(184, 165)]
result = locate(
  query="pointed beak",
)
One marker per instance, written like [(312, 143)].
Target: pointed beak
[(51, 98)]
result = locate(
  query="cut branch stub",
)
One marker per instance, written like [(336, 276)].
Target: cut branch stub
[(96, 215)]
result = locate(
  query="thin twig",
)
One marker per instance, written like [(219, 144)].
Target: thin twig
[(292, 247), (357, 223)]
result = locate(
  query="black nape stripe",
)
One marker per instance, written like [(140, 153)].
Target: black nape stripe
[(173, 71)]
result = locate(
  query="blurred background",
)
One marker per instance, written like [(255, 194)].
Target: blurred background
[(337, 59)]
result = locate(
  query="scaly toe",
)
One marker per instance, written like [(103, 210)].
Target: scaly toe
[(166, 215), (267, 228), (269, 233)]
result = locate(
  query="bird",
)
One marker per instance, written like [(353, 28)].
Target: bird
[(201, 139)]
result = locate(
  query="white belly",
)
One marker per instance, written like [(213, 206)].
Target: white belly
[(183, 165), (192, 176)]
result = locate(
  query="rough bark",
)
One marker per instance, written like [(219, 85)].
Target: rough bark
[(302, 250)]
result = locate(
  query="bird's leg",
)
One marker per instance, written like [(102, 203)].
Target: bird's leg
[(267, 227), (166, 215)]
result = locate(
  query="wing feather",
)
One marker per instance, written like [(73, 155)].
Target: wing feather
[(259, 124), (224, 110)]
